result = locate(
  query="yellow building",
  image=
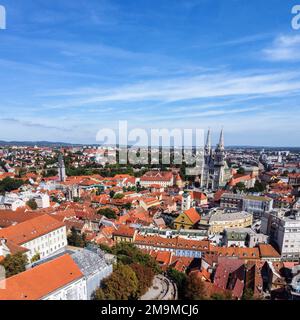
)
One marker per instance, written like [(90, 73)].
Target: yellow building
[(124, 234), (187, 220), (220, 221), (147, 203)]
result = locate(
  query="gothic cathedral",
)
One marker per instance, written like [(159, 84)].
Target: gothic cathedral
[(215, 172)]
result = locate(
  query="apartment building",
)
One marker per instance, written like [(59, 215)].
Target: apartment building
[(257, 205), (284, 231), (43, 236), (58, 279), (231, 201), (162, 178), (178, 246)]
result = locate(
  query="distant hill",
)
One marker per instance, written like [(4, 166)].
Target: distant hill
[(65, 144), (36, 143)]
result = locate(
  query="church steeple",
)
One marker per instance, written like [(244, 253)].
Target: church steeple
[(214, 173), (208, 142), (220, 150), (221, 145), (61, 168)]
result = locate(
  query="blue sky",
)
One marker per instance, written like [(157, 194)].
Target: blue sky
[(69, 68)]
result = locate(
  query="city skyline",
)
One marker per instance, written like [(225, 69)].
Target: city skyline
[(189, 64)]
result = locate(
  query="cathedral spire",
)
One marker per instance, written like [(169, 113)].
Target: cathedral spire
[(221, 141), (208, 141)]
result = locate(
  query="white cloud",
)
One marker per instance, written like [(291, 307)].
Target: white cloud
[(205, 86), (284, 48)]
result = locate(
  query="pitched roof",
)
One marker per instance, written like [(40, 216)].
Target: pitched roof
[(157, 176), (181, 263), (218, 195), (124, 231), (8, 217), (30, 229), (236, 252), (197, 195), (193, 215), (36, 283), (225, 268), (175, 243), (266, 250)]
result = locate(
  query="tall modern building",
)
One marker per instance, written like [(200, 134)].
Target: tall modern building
[(216, 172), (284, 230), (61, 168)]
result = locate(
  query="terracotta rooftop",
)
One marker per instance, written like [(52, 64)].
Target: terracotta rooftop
[(36, 283), (176, 243), (124, 231), (193, 215), (266, 250), (30, 229)]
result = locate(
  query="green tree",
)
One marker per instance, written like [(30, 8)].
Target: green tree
[(105, 248), (111, 193), (194, 289), (179, 278), (77, 199), (99, 294), (119, 196), (127, 206), (108, 213), (35, 258), (14, 264), (76, 239), (50, 173), (248, 294), (145, 277), (9, 184), (128, 253), (122, 284), (240, 186), (241, 171), (32, 204), (220, 296), (258, 187)]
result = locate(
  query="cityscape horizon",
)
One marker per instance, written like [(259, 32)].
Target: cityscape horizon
[(149, 158)]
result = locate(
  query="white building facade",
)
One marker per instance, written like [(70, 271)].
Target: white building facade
[(48, 244), (285, 232)]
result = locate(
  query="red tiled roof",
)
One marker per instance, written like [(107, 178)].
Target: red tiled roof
[(36, 283), (181, 263), (124, 231), (218, 195), (8, 217), (157, 176), (30, 229), (294, 175), (198, 195), (193, 215), (266, 250), (236, 252), (238, 289), (176, 243), (240, 178)]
